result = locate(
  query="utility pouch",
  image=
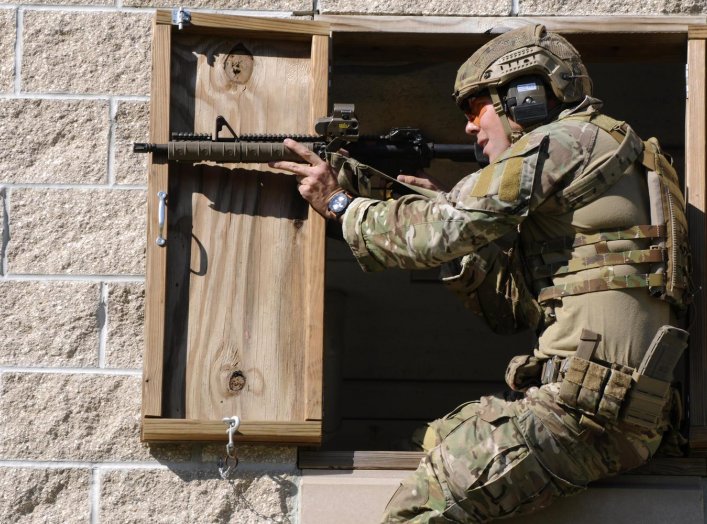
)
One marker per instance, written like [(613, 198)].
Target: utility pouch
[(650, 393), (613, 393), (523, 372), (490, 282)]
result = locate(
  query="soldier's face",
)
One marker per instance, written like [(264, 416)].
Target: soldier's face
[(486, 126)]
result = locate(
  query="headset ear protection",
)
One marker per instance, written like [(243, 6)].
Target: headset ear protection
[(526, 100)]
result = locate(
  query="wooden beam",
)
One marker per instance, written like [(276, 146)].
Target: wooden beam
[(696, 174), (155, 278), (494, 25), (186, 430), (409, 460), (698, 438), (246, 23), (316, 233)]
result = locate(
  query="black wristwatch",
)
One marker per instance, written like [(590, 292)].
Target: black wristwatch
[(339, 202)]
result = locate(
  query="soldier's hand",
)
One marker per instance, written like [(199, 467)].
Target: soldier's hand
[(316, 178)]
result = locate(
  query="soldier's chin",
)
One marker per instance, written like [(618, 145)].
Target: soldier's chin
[(481, 158)]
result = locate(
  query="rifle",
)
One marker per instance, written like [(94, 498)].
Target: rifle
[(402, 150)]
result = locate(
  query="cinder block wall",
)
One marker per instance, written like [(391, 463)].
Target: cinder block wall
[(74, 85)]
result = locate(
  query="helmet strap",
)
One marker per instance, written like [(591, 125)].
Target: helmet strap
[(513, 136)]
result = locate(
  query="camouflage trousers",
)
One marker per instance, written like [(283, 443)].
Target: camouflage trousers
[(494, 458)]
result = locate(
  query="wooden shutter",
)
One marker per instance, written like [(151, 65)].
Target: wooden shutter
[(234, 313), (696, 172)]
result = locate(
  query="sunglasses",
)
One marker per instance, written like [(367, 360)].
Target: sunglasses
[(476, 109)]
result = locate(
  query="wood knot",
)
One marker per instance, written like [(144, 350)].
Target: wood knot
[(238, 64), (237, 381)]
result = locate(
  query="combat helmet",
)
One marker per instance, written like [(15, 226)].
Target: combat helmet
[(524, 52)]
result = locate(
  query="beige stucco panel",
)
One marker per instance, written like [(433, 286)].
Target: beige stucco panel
[(126, 318), (49, 324), (7, 44), (66, 231), (86, 52), (610, 7), (197, 496), (53, 141), (31, 495), (417, 7), (131, 125)]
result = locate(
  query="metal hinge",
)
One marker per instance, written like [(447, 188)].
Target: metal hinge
[(181, 17)]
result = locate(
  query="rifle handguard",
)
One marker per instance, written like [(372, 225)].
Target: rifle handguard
[(226, 152)]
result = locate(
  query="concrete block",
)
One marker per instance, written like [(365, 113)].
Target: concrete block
[(86, 52), (30, 495), (49, 324), (7, 44), (628, 499), (361, 497), (417, 7), (66, 231), (250, 5), (126, 319), (53, 141), (49, 416), (163, 496), (610, 7), (131, 125)]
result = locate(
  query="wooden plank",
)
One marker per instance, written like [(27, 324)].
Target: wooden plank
[(698, 438), (263, 26), (493, 25), (314, 269), (248, 284), (371, 47), (410, 459), (696, 173), (697, 32), (181, 430), (156, 256)]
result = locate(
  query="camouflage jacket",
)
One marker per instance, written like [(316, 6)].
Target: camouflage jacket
[(513, 194)]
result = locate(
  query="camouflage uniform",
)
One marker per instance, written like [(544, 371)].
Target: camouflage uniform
[(495, 458)]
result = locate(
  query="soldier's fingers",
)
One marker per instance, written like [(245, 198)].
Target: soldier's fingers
[(306, 154), (292, 167)]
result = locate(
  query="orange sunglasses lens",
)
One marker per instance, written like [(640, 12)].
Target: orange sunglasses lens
[(477, 107)]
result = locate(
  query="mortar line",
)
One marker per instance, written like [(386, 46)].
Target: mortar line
[(123, 279), (110, 164), (72, 371), (72, 97), (515, 7), (94, 496), (19, 22), (5, 196), (151, 12), (250, 467), (117, 187), (103, 335)]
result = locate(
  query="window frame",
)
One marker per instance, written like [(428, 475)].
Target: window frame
[(674, 37)]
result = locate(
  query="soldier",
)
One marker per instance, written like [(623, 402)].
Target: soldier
[(599, 265)]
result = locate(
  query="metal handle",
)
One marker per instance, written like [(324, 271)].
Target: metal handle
[(161, 213)]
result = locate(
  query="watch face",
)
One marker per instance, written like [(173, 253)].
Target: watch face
[(339, 202)]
